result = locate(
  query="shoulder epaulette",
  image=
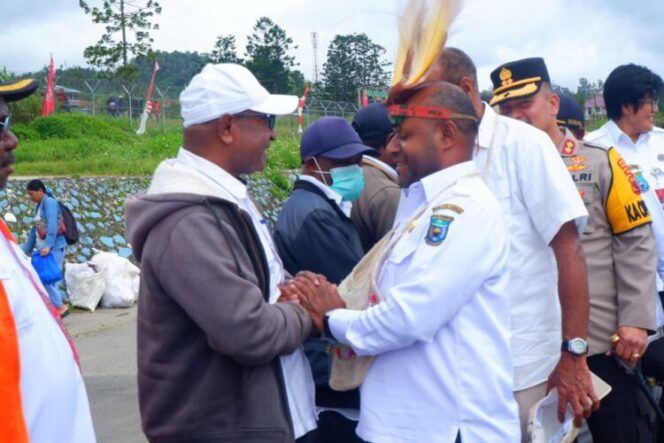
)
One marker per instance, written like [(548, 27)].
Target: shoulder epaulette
[(595, 145), (569, 148)]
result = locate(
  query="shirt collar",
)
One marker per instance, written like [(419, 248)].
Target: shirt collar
[(618, 135), (329, 193), (213, 172), (389, 170), (432, 184), (486, 129)]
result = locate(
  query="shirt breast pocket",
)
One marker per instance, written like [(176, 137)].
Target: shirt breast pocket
[(590, 196)]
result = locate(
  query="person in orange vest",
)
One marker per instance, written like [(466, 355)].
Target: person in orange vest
[(42, 394)]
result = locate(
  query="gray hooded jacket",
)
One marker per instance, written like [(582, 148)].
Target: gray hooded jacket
[(208, 340)]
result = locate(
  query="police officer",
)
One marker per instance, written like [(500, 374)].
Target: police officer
[(571, 116), (619, 248)]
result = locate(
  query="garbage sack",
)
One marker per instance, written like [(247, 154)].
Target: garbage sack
[(122, 279), (85, 285)]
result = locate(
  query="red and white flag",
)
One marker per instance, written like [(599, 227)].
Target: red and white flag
[(49, 96), (148, 105)]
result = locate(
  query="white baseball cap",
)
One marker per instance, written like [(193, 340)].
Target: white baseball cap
[(228, 88)]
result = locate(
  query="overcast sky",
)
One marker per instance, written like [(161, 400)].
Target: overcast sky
[(577, 38)]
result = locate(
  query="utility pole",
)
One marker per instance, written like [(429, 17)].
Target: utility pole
[(314, 42), (124, 35)]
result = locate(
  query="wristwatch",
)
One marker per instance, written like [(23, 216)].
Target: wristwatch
[(575, 346)]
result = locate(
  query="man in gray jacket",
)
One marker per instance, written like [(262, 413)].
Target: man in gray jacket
[(219, 360)]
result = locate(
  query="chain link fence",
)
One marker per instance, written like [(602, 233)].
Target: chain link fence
[(127, 100)]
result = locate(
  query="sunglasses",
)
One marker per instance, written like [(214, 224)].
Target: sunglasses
[(4, 126), (271, 119)]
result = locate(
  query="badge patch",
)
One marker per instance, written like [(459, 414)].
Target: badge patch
[(640, 179), (569, 147), (578, 163), (438, 228)]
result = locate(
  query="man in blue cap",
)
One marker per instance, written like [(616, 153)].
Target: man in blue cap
[(373, 212), (315, 233)]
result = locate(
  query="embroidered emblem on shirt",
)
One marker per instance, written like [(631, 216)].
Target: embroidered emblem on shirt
[(640, 179), (578, 163), (452, 207), (569, 147), (438, 228), (660, 157)]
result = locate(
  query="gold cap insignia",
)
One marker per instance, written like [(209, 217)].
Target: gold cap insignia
[(505, 76)]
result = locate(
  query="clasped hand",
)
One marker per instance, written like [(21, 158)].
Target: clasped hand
[(315, 293)]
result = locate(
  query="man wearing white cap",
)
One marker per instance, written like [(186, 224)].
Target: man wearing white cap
[(219, 359)]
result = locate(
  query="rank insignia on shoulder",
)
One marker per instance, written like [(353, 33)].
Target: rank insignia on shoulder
[(438, 228), (569, 147)]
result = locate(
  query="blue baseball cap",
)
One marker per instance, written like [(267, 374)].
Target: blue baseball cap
[(372, 122), (331, 137)]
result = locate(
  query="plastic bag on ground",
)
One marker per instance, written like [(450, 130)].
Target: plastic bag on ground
[(122, 278), (85, 285)]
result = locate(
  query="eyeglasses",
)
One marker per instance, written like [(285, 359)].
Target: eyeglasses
[(4, 125), (649, 102), (271, 119)]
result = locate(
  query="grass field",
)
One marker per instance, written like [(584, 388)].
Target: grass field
[(78, 145)]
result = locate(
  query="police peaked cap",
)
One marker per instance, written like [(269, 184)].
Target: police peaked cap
[(570, 113), (18, 89), (518, 79)]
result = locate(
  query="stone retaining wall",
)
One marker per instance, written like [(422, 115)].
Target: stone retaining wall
[(97, 204)]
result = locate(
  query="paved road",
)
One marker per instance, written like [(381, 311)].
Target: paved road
[(106, 342)]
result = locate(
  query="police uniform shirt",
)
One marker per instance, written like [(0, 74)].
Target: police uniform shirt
[(617, 241), (441, 336), (646, 158), (524, 170)]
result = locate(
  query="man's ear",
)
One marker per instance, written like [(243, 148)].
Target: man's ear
[(309, 167), (226, 129), (467, 84), (554, 99), (447, 133)]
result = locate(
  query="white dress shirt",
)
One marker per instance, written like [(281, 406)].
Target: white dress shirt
[(297, 372), (523, 168), (646, 157), (441, 336), (55, 403)]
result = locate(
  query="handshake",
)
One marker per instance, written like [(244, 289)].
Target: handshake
[(314, 293)]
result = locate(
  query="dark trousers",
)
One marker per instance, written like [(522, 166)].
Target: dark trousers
[(624, 414), (332, 428)]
